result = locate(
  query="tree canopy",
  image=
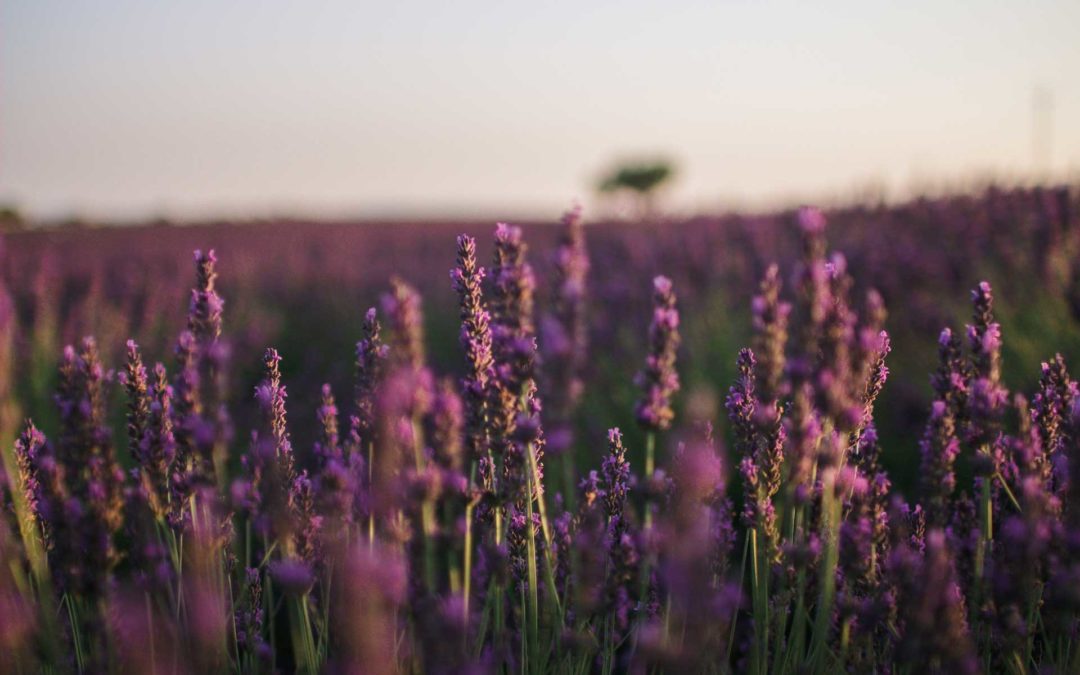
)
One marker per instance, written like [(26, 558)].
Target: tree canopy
[(640, 177)]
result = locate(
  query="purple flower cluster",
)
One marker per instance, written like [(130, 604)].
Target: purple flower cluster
[(659, 380), (418, 531)]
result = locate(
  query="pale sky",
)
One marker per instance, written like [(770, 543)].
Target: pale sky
[(146, 107)]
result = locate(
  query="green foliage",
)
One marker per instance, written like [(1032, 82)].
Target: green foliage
[(640, 177)]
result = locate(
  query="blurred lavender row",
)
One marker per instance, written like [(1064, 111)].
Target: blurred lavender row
[(479, 516), (298, 286)]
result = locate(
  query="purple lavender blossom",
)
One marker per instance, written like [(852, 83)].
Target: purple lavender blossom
[(336, 486), (201, 425), (950, 381), (271, 398), (519, 531), (1050, 409), (812, 286), (204, 313), (835, 378), (770, 322), (803, 429), (620, 540), (467, 278), (1063, 589), (512, 283), (987, 398), (740, 405), (513, 331), (939, 448), (371, 356), (372, 591), (443, 425), (564, 331), (248, 617), (308, 539), (984, 334), (268, 489), (875, 380), (940, 444), (589, 581), (328, 445), (136, 385), (760, 465), (934, 632), (146, 556), (615, 476), (187, 407), (292, 576), (879, 492), (659, 380), (28, 450), (514, 408), (157, 448), (399, 444), (402, 307), (405, 544), (702, 605), (85, 524), (1019, 567)]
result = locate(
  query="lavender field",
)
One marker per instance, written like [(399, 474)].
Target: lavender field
[(796, 442)]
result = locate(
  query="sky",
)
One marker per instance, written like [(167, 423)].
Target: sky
[(140, 108)]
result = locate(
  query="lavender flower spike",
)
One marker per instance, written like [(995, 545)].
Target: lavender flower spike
[(371, 355), (84, 548), (987, 398), (761, 455), (514, 407), (770, 335), (402, 309), (1050, 410), (615, 475), (201, 421), (467, 278), (939, 448), (984, 335), (935, 631), (443, 427), (659, 380), (268, 491), (135, 383), (740, 404), (879, 372), (327, 445), (271, 396), (812, 286), (623, 554), (157, 448), (28, 447), (512, 282), (564, 332), (204, 314)]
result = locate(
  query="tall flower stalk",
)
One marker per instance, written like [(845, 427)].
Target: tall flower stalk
[(659, 380), (564, 337)]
